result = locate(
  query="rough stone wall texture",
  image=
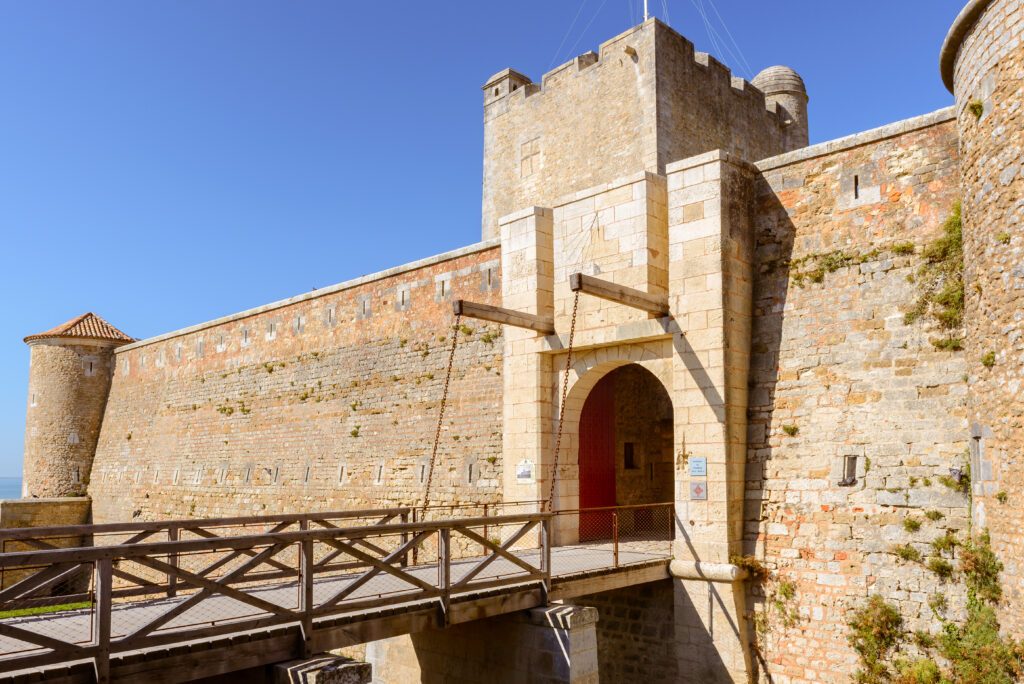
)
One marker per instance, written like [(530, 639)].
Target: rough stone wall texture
[(326, 403), (67, 391), (837, 373), (15, 513), (553, 645), (646, 99), (636, 640), (990, 71)]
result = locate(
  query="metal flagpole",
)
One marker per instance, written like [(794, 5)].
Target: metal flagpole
[(646, 15)]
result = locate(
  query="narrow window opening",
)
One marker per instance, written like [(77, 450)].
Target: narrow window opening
[(245, 336), (177, 473), (330, 316), (629, 456), (91, 368), (156, 476), (308, 473), (650, 472), (849, 472), (341, 474), (469, 473), (76, 475), (198, 478), (490, 277), (247, 476), (496, 91), (856, 187), (277, 474), (379, 477), (423, 473), (34, 399)]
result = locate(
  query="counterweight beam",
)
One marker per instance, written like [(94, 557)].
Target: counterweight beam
[(655, 304)]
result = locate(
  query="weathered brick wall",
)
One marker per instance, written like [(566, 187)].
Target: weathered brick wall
[(988, 75), (67, 391), (603, 116), (636, 640), (836, 372), (324, 403)]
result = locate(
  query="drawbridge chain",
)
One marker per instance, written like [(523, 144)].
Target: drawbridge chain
[(561, 407), (440, 414)]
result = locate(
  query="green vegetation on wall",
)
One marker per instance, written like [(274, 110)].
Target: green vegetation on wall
[(940, 283)]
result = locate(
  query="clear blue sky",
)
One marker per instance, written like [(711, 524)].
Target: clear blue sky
[(165, 163)]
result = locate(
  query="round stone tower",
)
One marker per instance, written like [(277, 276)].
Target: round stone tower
[(982, 63), (783, 87), (70, 369)]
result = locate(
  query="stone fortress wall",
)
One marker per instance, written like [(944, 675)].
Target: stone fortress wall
[(789, 274), (325, 402), (647, 99), (835, 363), (983, 65)]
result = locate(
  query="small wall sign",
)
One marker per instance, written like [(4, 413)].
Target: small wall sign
[(699, 490), (524, 471), (698, 466)]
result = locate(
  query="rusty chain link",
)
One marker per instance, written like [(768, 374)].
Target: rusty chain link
[(561, 407), (440, 416)]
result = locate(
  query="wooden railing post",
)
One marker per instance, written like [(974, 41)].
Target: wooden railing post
[(545, 554), (306, 573), (444, 567), (172, 560), (102, 617), (404, 561), (415, 549), (485, 529), (615, 537)]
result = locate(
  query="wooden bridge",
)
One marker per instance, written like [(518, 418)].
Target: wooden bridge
[(178, 600)]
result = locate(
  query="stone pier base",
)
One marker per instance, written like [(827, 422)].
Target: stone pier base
[(324, 669), (552, 645)]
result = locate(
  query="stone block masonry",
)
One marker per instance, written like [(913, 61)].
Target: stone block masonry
[(326, 402), (983, 64), (644, 100), (842, 387)]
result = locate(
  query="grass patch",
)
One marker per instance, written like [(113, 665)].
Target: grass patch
[(903, 248), (935, 515), (44, 610), (946, 543), (989, 359), (941, 567), (911, 524), (1003, 238), (791, 430), (976, 107), (907, 552)]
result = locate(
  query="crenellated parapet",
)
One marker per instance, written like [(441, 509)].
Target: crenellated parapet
[(644, 99)]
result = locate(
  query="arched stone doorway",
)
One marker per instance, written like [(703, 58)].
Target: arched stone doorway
[(625, 446)]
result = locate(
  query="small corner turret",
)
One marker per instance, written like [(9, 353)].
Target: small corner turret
[(503, 83), (70, 371), (784, 90)]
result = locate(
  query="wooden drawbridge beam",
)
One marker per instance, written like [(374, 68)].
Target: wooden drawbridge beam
[(655, 304), (496, 314)]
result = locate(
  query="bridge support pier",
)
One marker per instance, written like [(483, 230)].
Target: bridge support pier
[(555, 644), (322, 669)]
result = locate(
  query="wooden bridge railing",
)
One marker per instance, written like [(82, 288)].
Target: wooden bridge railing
[(182, 590)]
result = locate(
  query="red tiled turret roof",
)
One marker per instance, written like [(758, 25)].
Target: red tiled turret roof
[(87, 326)]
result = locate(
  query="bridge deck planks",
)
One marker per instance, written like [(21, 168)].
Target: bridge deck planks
[(585, 566)]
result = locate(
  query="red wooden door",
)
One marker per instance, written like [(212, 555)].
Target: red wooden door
[(597, 460)]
